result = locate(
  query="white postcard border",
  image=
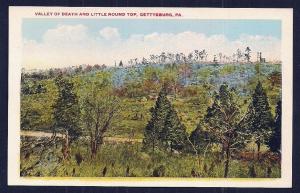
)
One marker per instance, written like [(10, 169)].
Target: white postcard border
[(16, 14)]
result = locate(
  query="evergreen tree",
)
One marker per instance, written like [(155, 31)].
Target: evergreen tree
[(259, 119), (275, 140), (199, 138), (66, 111), (222, 121), (156, 124), (174, 132), (164, 130)]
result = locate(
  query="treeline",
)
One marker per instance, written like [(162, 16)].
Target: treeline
[(67, 71), (223, 124), (198, 56), (194, 56)]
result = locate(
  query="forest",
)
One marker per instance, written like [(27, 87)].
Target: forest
[(167, 116)]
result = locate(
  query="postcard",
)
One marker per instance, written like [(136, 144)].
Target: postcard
[(161, 97)]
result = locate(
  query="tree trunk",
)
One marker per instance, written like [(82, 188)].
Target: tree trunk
[(258, 150), (227, 162), (93, 149), (66, 146), (95, 145), (223, 150)]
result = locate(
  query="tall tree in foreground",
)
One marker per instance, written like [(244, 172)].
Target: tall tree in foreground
[(222, 121), (99, 108), (275, 140), (66, 111), (174, 134), (164, 130), (156, 124), (259, 119)]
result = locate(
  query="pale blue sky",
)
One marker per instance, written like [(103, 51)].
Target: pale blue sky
[(53, 42), (33, 29)]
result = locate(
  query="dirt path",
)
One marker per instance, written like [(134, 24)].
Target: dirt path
[(39, 134)]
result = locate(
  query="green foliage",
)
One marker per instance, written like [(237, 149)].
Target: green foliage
[(164, 128), (275, 78), (191, 91), (156, 124), (66, 108), (257, 69), (275, 141), (36, 109), (169, 78), (32, 87), (99, 108), (259, 119), (117, 158), (204, 73), (133, 84), (228, 69), (186, 99), (199, 138), (174, 133), (95, 96), (223, 119), (159, 171), (150, 80)]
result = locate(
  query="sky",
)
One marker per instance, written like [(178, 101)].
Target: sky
[(49, 43)]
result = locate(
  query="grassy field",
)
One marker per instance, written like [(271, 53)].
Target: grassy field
[(135, 115), (127, 160)]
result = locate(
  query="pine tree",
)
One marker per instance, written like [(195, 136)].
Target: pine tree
[(174, 133), (222, 121), (164, 130), (66, 111), (259, 119), (155, 126), (275, 140), (199, 138)]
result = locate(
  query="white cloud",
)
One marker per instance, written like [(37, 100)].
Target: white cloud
[(109, 33), (68, 45), (67, 34)]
